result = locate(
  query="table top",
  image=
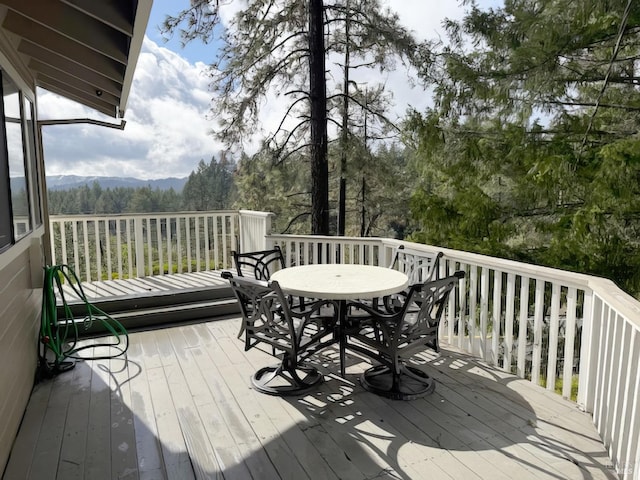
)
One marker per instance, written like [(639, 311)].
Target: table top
[(340, 281)]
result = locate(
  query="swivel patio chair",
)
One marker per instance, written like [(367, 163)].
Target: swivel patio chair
[(391, 338), (293, 333)]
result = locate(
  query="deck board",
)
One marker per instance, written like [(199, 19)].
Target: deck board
[(182, 407), (118, 288)]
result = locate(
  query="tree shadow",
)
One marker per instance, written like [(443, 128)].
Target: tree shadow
[(116, 419)]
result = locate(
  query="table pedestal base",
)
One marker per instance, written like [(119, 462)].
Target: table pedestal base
[(283, 380), (409, 385)]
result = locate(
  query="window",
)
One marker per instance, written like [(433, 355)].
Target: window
[(15, 151), (16, 177)]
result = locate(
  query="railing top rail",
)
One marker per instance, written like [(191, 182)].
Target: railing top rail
[(142, 215), (607, 290), (253, 213), (329, 238)]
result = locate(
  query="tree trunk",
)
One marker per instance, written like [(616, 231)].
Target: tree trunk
[(318, 94), (344, 139)]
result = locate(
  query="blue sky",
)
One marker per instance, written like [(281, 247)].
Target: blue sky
[(169, 116), (193, 51)]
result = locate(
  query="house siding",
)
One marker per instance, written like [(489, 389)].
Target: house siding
[(21, 271), (20, 306)]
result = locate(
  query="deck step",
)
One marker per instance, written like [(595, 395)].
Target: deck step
[(138, 311)]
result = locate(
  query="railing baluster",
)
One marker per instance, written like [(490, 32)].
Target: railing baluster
[(451, 310), (188, 241), (130, 246), (96, 229), (603, 351), (523, 327), (207, 262), (232, 232), (149, 248), (610, 374), (119, 247), (63, 237), (509, 321), (497, 316), (484, 307), (74, 234), (168, 240), (179, 231), (538, 320), (473, 296), (107, 241), (139, 242), (158, 223), (224, 238), (462, 296), (569, 341), (85, 248), (554, 326), (216, 242)]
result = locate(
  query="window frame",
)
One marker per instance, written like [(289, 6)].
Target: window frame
[(30, 166)]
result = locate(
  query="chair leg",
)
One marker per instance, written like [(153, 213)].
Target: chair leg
[(408, 383), (286, 378)]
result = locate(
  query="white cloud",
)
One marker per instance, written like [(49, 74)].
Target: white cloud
[(166, 133), (168, 115)]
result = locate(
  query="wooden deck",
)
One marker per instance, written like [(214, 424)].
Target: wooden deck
[(146, 286), (181, 407)]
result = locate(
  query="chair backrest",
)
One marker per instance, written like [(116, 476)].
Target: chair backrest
[(265, 313), (259, 265), (423, 311), (420, 267)]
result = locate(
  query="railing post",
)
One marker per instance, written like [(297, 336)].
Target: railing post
[(254, 229), (591, 318), (138, 241)]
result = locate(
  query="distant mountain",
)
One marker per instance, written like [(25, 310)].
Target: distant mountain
[(67, 182)]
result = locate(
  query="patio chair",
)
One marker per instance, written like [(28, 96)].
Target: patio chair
[(391, 338), (292, 332)]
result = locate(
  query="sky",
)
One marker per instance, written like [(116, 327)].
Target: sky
[(168, 116)]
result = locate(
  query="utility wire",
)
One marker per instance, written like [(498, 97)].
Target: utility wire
[(616, 50)]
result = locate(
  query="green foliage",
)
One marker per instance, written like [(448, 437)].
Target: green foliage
[(283, 188), (210, 187), (97, 200), (532, 148)]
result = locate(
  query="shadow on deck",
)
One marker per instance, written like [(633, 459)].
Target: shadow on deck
[(181, 406)]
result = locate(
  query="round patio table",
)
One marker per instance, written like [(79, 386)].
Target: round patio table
[(340, 282)]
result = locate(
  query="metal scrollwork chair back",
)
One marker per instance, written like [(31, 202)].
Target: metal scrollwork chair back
[(260, 264), (420, 267)]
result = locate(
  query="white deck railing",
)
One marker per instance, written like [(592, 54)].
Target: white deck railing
[(126, 246), (561, 330)]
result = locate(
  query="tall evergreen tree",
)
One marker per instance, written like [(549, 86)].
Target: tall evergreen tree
[(277, 48), (531, 150), (210, 187)]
